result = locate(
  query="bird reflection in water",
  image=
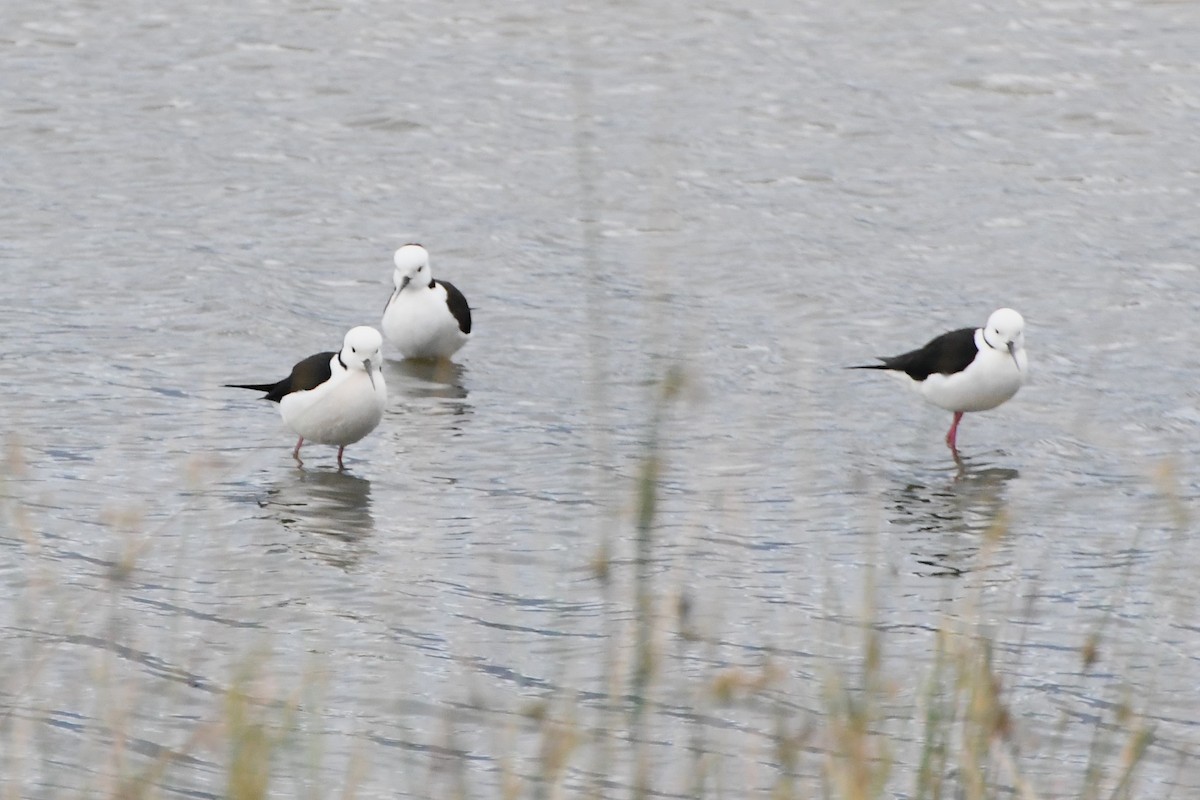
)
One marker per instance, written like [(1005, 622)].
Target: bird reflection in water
[(441, 379), (949, 516), (329, 511)]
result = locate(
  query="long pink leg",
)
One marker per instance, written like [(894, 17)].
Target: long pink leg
[(296, 452), (952, 436), (341, 450)]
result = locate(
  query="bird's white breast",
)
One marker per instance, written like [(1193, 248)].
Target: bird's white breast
[(340, 411), (419, 324), (992, 378)]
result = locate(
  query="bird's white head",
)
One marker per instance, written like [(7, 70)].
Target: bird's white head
[(412, 268), (1005, 329), (362, 349)]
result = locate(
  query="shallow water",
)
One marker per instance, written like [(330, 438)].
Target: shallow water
[(755, 195)]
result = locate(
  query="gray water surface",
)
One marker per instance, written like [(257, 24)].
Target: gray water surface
[(754, 195)]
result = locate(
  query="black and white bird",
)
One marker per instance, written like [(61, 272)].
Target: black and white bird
[(332, 398), (970, 369), (424, 318)]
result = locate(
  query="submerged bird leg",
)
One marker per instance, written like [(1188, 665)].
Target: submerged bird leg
[(341, 450), (296, 452), (952, 435)]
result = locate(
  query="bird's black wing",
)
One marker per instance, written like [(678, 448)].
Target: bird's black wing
[(307, 374), (946, 354), (458, 306)]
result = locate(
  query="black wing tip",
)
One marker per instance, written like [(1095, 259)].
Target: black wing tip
[(268, 390)]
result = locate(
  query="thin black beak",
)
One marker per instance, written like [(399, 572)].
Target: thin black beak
[(1012, 351)]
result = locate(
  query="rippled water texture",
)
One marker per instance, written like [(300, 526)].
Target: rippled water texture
[(750, 196)]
